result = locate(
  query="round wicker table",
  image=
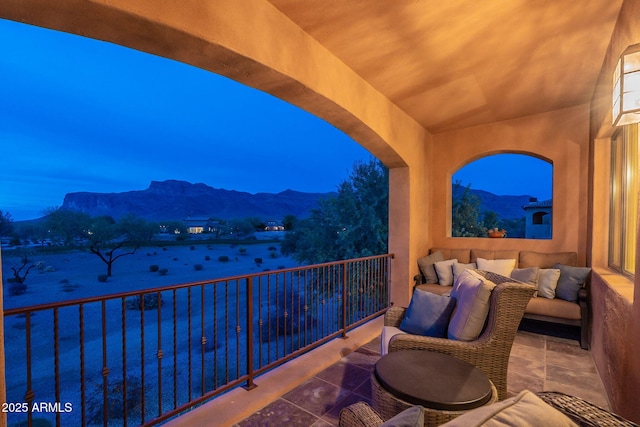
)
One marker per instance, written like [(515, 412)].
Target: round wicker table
[(445, 386)]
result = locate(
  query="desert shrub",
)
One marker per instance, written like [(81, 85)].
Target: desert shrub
[(115, 400), (207, 258), (163, 271), (242, 251), (154, 267), (175, 259), (258, 260), (198, 267), (164, 248), (273, 254), (151, 302), (281, 267), (223, 258), (102, 278), (16, 288), (272, 248), (63, 281), (193, 248)]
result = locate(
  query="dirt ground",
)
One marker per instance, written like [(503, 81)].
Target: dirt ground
[(75, 274)]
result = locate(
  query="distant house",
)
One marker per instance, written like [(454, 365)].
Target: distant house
[(273, 226), (538, 219), (201, 225)]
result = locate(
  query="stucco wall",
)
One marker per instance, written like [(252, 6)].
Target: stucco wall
[(561, 137), (615, 340)]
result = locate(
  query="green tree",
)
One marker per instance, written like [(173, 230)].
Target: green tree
[(66, 224), (288, 222), (465, 215), (351, 224), (110, 240)]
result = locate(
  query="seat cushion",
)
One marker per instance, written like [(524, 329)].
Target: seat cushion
[(388, 332), (554, 308), (524, 410)]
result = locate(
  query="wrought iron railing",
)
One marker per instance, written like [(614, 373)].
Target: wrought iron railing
[(142, 357)]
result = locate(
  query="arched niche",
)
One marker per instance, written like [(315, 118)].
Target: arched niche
[(510, 192)]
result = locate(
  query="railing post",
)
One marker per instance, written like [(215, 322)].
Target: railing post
[(250, 384), (344, 300)]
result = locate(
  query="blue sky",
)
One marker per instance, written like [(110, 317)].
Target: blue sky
[(81, 115), (509, 175)]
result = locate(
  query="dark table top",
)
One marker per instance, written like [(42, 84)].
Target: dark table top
[(433, 380)]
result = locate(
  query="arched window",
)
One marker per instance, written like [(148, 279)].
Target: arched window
[(509, 192)]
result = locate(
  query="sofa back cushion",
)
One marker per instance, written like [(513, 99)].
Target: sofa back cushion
[(542, 260), (491, 254), (462, 255)]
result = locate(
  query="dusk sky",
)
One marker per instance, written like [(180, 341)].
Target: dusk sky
[(81, 115), (77, 114), (509, 175)]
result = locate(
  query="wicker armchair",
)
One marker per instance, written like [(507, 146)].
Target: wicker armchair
[(490, 352), (578, 410)]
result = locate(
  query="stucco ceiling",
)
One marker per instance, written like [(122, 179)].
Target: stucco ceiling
[(458, 63)]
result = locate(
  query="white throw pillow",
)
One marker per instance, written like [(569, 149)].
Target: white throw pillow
[(547, 282), (499, 266), (445, 272), (458, 268)]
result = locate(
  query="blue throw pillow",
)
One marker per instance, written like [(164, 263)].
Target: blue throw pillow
[(570, 281), (428, 314)]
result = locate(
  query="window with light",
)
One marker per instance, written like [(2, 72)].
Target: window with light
[(624, 200)]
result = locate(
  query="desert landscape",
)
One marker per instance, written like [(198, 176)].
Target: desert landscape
[(73, 275)]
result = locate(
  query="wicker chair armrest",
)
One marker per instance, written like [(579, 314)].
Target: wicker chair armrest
[(469, 351), (394, 316), (582, 412), (359, 415)]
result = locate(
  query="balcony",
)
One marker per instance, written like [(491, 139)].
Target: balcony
[(172, 355), (145, 356)]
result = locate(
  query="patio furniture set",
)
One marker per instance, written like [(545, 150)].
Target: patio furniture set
[(445, 357)]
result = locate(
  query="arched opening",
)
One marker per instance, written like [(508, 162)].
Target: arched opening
[(506, 192)]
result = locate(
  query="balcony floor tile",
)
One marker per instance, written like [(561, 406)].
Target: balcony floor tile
[(537, 363)]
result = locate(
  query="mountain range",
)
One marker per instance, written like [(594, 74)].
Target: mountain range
[(177, 200)]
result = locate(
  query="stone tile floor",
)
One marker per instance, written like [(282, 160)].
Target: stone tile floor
[(538, 363)]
